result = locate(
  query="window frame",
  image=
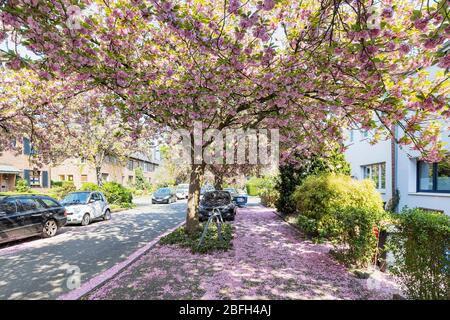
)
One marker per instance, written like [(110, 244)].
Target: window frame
[(433, 179), (380, 174)]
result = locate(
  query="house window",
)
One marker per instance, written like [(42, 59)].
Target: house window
[(62, 177), (84, 178), (83, 160), (69, 177), (105, 176), (130, 164), (35, 178), (434, 177), (376, 173)]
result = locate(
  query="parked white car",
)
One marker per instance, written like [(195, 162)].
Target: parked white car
[(182, 191), (84, 206)]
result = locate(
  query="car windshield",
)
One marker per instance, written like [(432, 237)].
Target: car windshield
[(230, 190), (182, 187), (162, 191), (76, 197), (216, 198)]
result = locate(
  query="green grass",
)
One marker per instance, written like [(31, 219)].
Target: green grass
[(211, 242)]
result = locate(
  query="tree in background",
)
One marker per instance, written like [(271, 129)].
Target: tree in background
[(293, 174), (174, 168)]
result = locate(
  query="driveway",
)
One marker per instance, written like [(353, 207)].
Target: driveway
[(42, 268)]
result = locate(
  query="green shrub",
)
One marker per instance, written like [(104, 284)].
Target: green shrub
[(292, 175), (89, 186), (356, 227), (320, 197), (269, 197), (211, 242), (22, 186), (421, 248), (56, 184), (255, 186), (115, 193), (60, 192)]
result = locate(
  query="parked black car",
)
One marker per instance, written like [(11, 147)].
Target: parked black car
[(23, 216), (216, 199), (164, 195)]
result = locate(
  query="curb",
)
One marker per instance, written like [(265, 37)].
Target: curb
[(289, 224), (111, 272)]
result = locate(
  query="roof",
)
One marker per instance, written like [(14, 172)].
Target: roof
[(142, 156), (4, 168)]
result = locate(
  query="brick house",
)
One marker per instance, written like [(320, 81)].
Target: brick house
[(13, 165)]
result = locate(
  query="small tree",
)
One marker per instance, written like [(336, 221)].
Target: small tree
[(140, 182)]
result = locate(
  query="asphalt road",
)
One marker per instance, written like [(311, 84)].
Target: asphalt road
[(40, 268)]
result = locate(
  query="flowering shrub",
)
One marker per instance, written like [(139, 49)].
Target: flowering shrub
[(421, 249), (320, 197)]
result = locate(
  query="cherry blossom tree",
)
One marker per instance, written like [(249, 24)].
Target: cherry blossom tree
[(33, 109), (310, 68)]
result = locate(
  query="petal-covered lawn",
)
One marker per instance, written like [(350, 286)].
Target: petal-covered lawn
[(269, 260)]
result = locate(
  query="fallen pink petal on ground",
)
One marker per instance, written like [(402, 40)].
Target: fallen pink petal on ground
[(269, 260)]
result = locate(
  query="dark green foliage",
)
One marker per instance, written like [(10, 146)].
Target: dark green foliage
[(211, 242), (421, 248), (54, 184)]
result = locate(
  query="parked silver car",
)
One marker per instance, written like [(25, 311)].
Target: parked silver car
[(84, 206)]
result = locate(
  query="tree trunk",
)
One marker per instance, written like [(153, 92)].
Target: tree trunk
[(218, 181), (99, 175), (192, 224)]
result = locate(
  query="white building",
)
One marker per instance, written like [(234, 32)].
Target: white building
[(393, 167)]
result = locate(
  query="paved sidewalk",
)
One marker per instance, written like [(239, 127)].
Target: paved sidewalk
[(269, 260)]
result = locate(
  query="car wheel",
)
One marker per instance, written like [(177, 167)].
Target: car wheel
[(107, 215), (50, 228), (86, 220)]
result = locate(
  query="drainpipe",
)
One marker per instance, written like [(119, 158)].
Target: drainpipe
[(394, 162)]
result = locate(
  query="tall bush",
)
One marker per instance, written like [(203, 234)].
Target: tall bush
[(319, 197), (116, 193), (421, 249), (292, 176)]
